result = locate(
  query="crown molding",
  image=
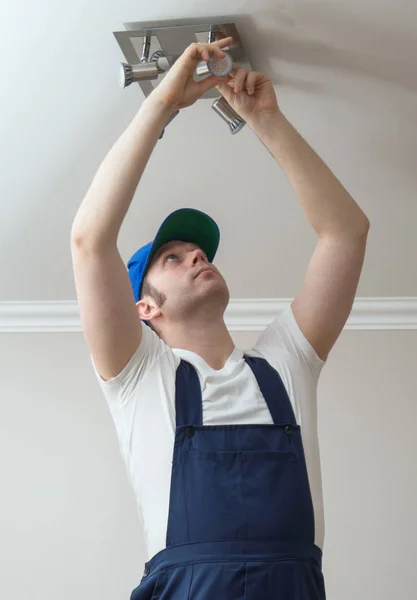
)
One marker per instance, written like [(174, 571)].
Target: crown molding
[(240, 315)]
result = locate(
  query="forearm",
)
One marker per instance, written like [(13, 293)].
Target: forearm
[(107, 201), (328, 206)]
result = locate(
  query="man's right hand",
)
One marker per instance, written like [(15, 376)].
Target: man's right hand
[(178, 89)]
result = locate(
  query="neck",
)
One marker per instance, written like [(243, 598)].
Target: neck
[(212, 341)]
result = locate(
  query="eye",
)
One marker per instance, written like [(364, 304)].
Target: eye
[(169, 256)]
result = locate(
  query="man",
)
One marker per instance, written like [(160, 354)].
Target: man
[(221, 446)]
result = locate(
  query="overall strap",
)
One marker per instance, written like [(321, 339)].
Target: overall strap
[(188, 398), (273, 390)]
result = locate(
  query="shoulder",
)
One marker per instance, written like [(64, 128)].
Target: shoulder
[(153, 357), (283, 339), (283, 345)]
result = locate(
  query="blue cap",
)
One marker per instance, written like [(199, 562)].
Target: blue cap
[(184, 224)]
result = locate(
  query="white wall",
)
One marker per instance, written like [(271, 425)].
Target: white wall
[(68, 521)]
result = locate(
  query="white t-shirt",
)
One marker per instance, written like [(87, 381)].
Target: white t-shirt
[(141, 399)]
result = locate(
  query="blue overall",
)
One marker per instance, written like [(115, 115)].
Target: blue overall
[(241, 521)]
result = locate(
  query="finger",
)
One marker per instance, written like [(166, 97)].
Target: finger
[(223, 42), (239, 79), (199, 50), (251, 81), (209, 52), (224, 89), (235, 69)]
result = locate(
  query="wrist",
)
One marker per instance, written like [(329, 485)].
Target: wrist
[(157, 108), (264, 124)]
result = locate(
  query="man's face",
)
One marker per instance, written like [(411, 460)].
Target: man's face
[(175, 271)]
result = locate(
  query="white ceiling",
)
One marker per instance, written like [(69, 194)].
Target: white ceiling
[(345, 75)]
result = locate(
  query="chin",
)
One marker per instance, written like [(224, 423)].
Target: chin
[(220, 290)]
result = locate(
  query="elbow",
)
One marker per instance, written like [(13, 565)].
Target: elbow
[(364, 229), (76, 237), (361, 227), (367, 223)]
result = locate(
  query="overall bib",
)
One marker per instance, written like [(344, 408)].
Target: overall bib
[(241, 521)]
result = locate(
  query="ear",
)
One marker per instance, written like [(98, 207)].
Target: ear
[(147, 309)]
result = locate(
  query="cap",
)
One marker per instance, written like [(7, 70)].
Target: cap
[(185, 224)]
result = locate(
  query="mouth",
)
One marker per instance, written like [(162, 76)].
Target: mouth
[(202, 271)]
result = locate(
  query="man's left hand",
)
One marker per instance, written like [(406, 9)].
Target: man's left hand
[(249, 93)]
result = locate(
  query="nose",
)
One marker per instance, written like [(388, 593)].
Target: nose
[(197, 256)]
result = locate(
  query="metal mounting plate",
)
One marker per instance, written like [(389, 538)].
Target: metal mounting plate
[(172, 37)]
